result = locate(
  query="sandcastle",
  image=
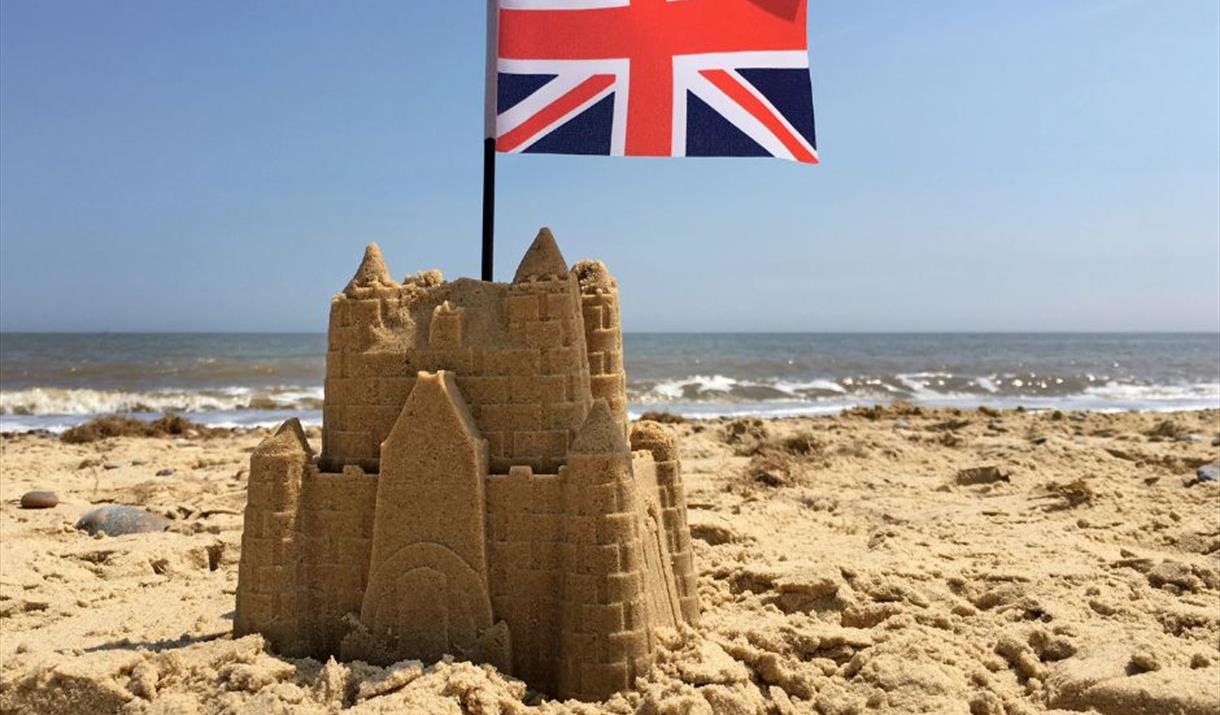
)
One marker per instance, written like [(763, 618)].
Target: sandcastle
[(480, 492)]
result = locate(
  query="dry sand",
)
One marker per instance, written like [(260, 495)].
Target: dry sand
[(845, 567)]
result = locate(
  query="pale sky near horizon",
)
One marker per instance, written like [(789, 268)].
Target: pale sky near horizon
[(200, 166)]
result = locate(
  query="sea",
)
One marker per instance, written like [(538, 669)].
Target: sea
[(53, 381)]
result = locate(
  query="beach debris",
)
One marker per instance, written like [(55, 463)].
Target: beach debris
[(745, 434), (1208, 472), (39, 500), (987, 474), (950, 425), (126, 426), (662, 417), (1165, 430), (117, 520), (1067, 495), (165, 472)]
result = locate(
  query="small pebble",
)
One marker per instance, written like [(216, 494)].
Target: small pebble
[(137, 462), (114, 520), (111, 465), (1209, 472), (1040, 439), (164, 472), (39, 500)]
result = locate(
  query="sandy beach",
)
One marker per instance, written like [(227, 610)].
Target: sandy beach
[(867, 562)]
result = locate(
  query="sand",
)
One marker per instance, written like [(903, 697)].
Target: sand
[(845, 566)]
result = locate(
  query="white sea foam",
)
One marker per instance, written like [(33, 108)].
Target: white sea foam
[(795, 388), (81, 401), (677, 389)]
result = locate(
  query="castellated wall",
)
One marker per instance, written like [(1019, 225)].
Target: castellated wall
[(336, 531), (519, 351), (662, 444), (305, 547)]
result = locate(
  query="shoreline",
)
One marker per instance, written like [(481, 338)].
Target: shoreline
[(253, 419)]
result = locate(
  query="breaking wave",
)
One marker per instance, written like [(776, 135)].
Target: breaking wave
[(721, 395), (83, 401)]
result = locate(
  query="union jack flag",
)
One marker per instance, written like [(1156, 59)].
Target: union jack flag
[(654, 78)]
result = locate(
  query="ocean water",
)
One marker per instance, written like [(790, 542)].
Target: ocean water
[(52, 381)]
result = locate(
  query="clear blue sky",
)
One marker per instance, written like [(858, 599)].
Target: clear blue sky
[(1046, 164)]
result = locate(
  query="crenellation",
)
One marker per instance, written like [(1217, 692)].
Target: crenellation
[(475, 454)]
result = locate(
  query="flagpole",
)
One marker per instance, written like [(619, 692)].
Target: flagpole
[(489, 140)]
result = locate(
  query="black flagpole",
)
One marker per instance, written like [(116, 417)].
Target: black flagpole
[(489, 206), (489, 141)]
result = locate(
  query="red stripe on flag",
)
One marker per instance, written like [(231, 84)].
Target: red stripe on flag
[(723, 81), (551, 113)]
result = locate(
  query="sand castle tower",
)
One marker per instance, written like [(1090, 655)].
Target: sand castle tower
[(480, 491)]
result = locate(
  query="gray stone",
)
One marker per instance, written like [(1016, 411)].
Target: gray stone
[(115, 520), (164, 472), (1209, 472), (39, 500)]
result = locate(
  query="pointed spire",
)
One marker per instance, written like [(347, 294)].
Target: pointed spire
[(288, 439), (435, 402), (372, 272), (542, 259), (601, 433)]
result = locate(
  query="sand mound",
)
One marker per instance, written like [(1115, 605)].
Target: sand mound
[(874, 582)]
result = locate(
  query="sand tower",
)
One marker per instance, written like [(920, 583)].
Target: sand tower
[(480, 491)]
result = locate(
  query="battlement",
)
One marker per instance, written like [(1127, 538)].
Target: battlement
[(480, 492)]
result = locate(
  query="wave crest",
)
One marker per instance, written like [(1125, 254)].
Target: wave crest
[(83, 401)]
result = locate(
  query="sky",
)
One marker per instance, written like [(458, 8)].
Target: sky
[(986, 166)]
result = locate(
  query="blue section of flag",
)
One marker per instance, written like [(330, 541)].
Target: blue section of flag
[(587, 133), (512, 88), (790, 92), (708, 133)]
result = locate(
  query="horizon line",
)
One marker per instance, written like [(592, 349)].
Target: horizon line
[(654, 332)]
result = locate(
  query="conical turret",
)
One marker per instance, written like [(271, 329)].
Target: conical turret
[(372, 272), (542, 260), (288, 440), (600, 434)]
